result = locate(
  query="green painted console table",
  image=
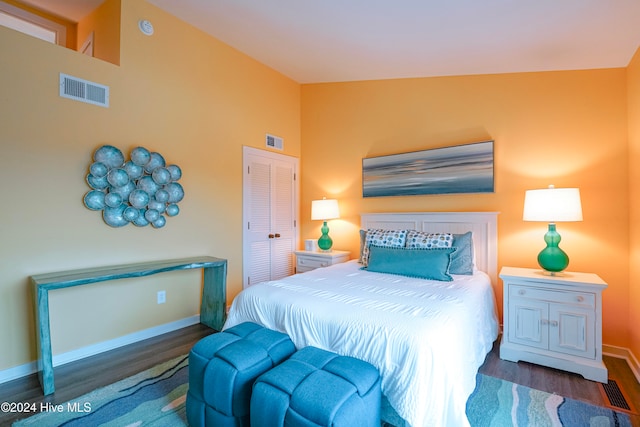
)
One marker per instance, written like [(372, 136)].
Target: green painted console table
[(212, 309)]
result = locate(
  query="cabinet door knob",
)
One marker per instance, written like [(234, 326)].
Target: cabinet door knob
[(553, 323), (522, 292), (277, 235), (580, 298), (271, 236)]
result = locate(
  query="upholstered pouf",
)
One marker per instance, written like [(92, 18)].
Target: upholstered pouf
[(223, 368), (315, 387)]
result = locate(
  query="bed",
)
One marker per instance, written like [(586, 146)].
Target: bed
[(427, 337)]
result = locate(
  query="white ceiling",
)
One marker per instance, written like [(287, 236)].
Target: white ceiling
[(344, 40)]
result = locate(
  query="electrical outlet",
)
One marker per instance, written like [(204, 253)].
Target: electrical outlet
[(162, 297)]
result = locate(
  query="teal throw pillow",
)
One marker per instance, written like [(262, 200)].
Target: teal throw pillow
[(462, 258), (430, 264)]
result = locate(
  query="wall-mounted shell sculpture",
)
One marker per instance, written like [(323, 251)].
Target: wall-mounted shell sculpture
[(141, 190)]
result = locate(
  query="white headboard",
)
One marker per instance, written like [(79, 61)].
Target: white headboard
[(483, 225)]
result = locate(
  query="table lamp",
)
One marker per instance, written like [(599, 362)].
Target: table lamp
[(552, 205), (324, 210)]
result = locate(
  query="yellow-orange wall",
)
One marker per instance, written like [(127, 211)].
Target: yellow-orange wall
[(181, 93), (197, 101), (563, 128), (633, 81), (104, 23)]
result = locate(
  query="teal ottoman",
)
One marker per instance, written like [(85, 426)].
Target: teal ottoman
[(223, 368), (315, 388)]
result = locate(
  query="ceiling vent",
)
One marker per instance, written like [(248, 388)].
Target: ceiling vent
[(84, 90), (275, 142)]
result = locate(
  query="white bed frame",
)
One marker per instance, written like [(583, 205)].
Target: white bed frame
[(483, 225)]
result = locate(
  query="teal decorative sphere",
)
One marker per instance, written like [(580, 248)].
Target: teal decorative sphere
[(134, 171), (110, 156), (161, 175), (113, 200), (172, 209), (156, 161), (175, 171), (94, 200), (98, 183), (98, 169), (118, 177), (139, 198), (140, 156), (159, 222)]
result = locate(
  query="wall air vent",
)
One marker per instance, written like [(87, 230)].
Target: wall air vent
[(84, 90), (275, 142)]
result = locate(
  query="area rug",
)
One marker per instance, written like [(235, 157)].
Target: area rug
[(156, 397), (499, 403)]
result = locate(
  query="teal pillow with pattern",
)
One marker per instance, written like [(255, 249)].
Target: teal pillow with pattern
[(383, 238), (462, 258)]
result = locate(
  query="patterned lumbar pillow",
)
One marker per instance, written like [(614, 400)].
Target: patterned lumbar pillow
[(383, 238), (423, 239)]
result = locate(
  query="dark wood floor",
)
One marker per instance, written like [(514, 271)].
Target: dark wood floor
[(77, 378)]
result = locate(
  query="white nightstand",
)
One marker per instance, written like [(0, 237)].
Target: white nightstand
[(554, 321), (309, 260)]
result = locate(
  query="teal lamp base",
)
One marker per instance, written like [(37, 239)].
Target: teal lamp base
[(553, 259), (325, 242)]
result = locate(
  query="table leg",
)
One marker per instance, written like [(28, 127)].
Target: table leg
[(43, 338), (213, 309)]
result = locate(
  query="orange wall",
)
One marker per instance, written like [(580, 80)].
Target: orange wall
[(104, 22), (181, 93), (633, 81), (199, 106), (562, 128)]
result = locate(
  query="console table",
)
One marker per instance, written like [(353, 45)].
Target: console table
[(212, 308)]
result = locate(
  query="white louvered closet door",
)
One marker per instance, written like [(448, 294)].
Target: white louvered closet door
[(270, 215)]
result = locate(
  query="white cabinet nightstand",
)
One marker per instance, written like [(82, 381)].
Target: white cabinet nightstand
[(554, 321), (308, 260)]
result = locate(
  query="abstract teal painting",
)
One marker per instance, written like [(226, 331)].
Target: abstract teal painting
[(464, 168)]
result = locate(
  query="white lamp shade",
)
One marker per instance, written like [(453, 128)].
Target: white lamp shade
[(324, 209), (552, 205)]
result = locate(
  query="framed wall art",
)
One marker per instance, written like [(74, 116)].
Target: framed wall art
[(464, 168)]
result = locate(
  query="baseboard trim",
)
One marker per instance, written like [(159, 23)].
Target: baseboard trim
[(91, 350), (623, 353)]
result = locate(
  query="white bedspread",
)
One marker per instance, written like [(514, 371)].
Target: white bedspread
[(427, 338)]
